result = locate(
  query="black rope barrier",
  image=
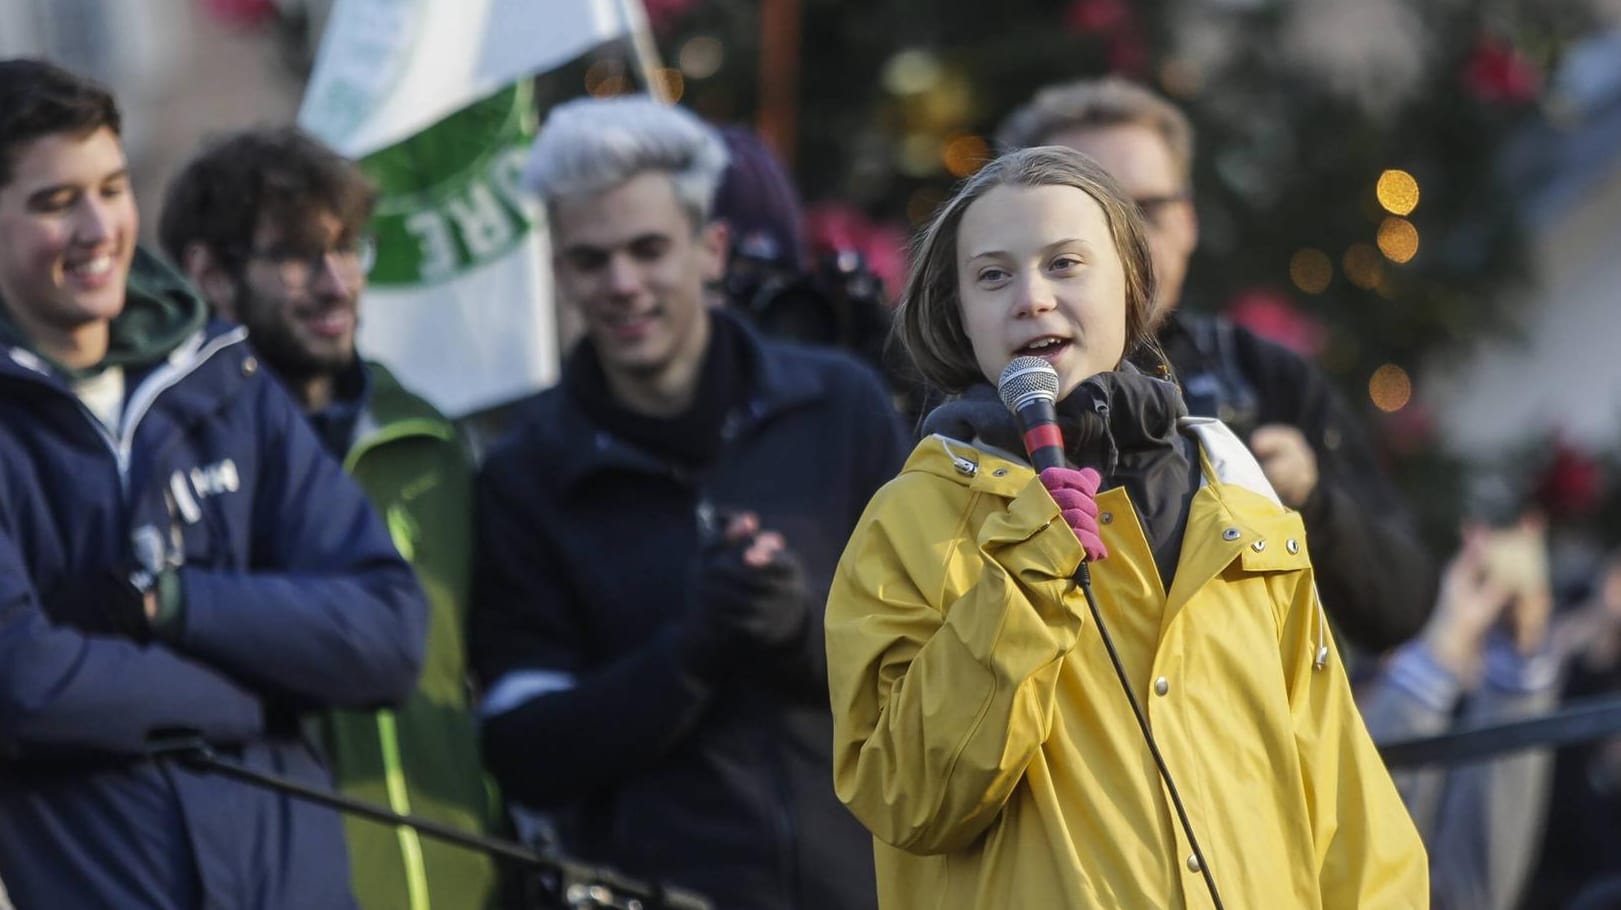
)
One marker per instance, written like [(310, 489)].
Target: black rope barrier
[(590, 886), (582, 886), (1576, 722)]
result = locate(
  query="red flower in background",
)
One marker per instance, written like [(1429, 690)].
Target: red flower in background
[(1269, 314), (662, 14), (1497, 72), (1572, 484), (1128, 54), (1086, 17), (1113, 21), (241, 13), (838, 226)]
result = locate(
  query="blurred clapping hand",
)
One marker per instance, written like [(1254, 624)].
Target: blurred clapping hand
[(749, 599), (1497, 582)]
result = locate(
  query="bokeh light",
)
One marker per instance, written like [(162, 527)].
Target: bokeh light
[(1311, 270), (945, 106), (918, 155), (1397, 191), (606, 77), (965, 154), (701, 57), (911, 72), (675, 85), (1390, 388), (1398, 239), (1363, 265)]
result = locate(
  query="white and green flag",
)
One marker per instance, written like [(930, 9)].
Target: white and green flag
[(431, 96)]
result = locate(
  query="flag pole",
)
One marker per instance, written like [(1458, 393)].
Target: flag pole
[(780, 22), (644, 51)]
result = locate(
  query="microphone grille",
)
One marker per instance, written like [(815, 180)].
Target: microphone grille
[(1027, 379)]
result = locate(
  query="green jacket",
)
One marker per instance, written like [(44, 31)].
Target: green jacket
[(421, 758)]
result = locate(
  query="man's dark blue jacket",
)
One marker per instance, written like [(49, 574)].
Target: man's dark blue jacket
[(585, 551), (294, 599)]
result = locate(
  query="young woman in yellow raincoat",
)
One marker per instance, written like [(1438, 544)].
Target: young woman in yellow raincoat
[(981, 730)]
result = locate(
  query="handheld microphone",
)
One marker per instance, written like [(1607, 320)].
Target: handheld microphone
[(1029, 388)]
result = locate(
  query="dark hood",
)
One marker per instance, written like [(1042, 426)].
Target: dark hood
[(1123, 423), (160, 311)]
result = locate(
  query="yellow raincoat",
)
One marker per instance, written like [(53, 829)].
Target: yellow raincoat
[(981, 734)]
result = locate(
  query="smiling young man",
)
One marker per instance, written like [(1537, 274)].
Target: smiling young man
[(178, 558), (67, 240), (270, 224), (1377, 579), (655, 540)]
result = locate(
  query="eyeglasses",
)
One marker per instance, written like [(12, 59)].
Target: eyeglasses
[(352, 260), (1155, 207)]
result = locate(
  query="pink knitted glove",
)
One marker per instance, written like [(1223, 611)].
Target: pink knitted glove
[(1076, 494)]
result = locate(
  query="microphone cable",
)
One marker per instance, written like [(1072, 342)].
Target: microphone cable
[(1083, 577)]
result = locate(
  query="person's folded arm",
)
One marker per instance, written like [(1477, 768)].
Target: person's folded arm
[(63, 692), (328, 612)]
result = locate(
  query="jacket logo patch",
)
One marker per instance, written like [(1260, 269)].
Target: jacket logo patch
[(214, 479), (201, 482)]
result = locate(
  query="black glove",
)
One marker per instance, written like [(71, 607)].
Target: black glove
[(109, 602), (737, 610)]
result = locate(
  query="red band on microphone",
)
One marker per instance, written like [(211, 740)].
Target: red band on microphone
[(1043, 435)]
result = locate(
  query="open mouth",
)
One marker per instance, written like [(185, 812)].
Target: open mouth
[(90, 273), (98, 265), (1046, 346)]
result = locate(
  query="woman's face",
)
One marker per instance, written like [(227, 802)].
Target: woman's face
[(1038, 274)]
